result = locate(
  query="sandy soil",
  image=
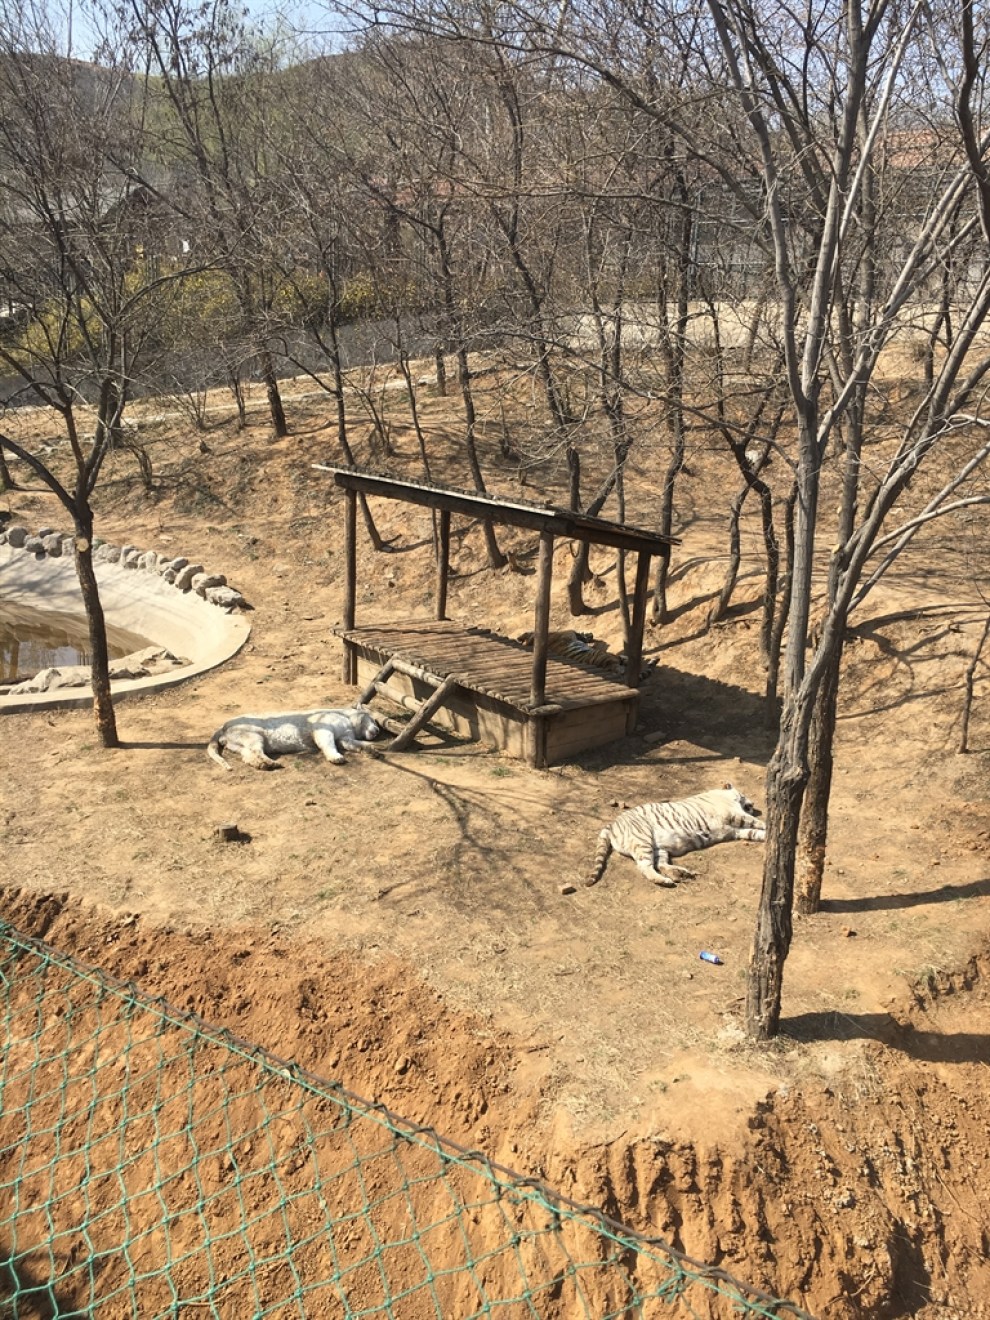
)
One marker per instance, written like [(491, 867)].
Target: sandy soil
[(434, 963)]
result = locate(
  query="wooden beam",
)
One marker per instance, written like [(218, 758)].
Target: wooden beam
[(561, 523), (541, 624), (350, 580), (641, 591), (443, 563), (422, 716), (377, 683)]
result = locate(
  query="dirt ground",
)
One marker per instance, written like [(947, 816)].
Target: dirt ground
[(433, 963)]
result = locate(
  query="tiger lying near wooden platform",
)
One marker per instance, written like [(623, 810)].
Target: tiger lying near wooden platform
[(256, 737)]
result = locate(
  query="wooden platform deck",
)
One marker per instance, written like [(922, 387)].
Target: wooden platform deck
[(491, 697)]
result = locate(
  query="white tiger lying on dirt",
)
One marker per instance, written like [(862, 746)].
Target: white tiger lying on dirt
[(658, 831), (255, 737)]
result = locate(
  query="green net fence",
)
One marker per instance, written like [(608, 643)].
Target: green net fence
[(151, 1165)]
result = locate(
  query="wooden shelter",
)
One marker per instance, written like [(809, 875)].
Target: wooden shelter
[(526, 702)]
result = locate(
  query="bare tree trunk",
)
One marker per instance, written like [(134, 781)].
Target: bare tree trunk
[(786, 778), (661, 612), (440, 358), (970, 680), (673, 345), (345, 447), (6, 480), (787, 773), (780, 617), (106, 724), (720, 607), (813, 832), (237, 390), (268, 375), (420, 436), (496, 559), (580, 572), (622, 590)]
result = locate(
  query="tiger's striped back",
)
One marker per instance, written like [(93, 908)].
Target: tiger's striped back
[(581, 648)]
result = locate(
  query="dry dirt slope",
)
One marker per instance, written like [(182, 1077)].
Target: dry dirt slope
[(578, 1038)]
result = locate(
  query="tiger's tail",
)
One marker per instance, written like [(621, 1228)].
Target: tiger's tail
[(601, 857), (215, 746)]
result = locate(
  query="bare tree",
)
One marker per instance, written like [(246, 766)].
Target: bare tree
[(837, 151), (220, 125), (413, 110), (74, 229), (808, 117)]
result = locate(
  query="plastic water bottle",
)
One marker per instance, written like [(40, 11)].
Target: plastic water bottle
[(705, 956)]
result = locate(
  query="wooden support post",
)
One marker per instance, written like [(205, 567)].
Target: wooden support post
[(421, 717), (541, 625), (634, 651), (536, 740), (350, 580), (443, 563)]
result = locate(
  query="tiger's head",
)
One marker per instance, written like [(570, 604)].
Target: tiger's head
[(364, 724), (749, 807)]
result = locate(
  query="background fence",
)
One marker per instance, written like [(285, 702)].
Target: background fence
[(151, 1165)]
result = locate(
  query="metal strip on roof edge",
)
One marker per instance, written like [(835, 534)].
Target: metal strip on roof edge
[(583, 519)]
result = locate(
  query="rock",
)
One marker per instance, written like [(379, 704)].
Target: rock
[(184, 577), (567, 889), (34, 545), (148, 562), (53, 545), (16, 535), (202, 581), (142, 664), (50, 680), (227, 598), (130, 557)]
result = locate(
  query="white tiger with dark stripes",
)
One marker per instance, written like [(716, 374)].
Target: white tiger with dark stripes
[(656, 832), (257, 738)]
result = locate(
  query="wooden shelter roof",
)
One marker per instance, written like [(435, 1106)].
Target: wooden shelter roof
[(543, 518)]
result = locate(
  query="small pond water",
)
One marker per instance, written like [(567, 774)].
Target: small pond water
[(32, 640)]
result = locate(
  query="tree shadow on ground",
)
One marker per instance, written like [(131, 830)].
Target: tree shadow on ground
[(887, 902), (127, 745), (724, 718), (930, 1046)]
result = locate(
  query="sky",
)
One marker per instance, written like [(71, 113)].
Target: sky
[(312, 19)]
